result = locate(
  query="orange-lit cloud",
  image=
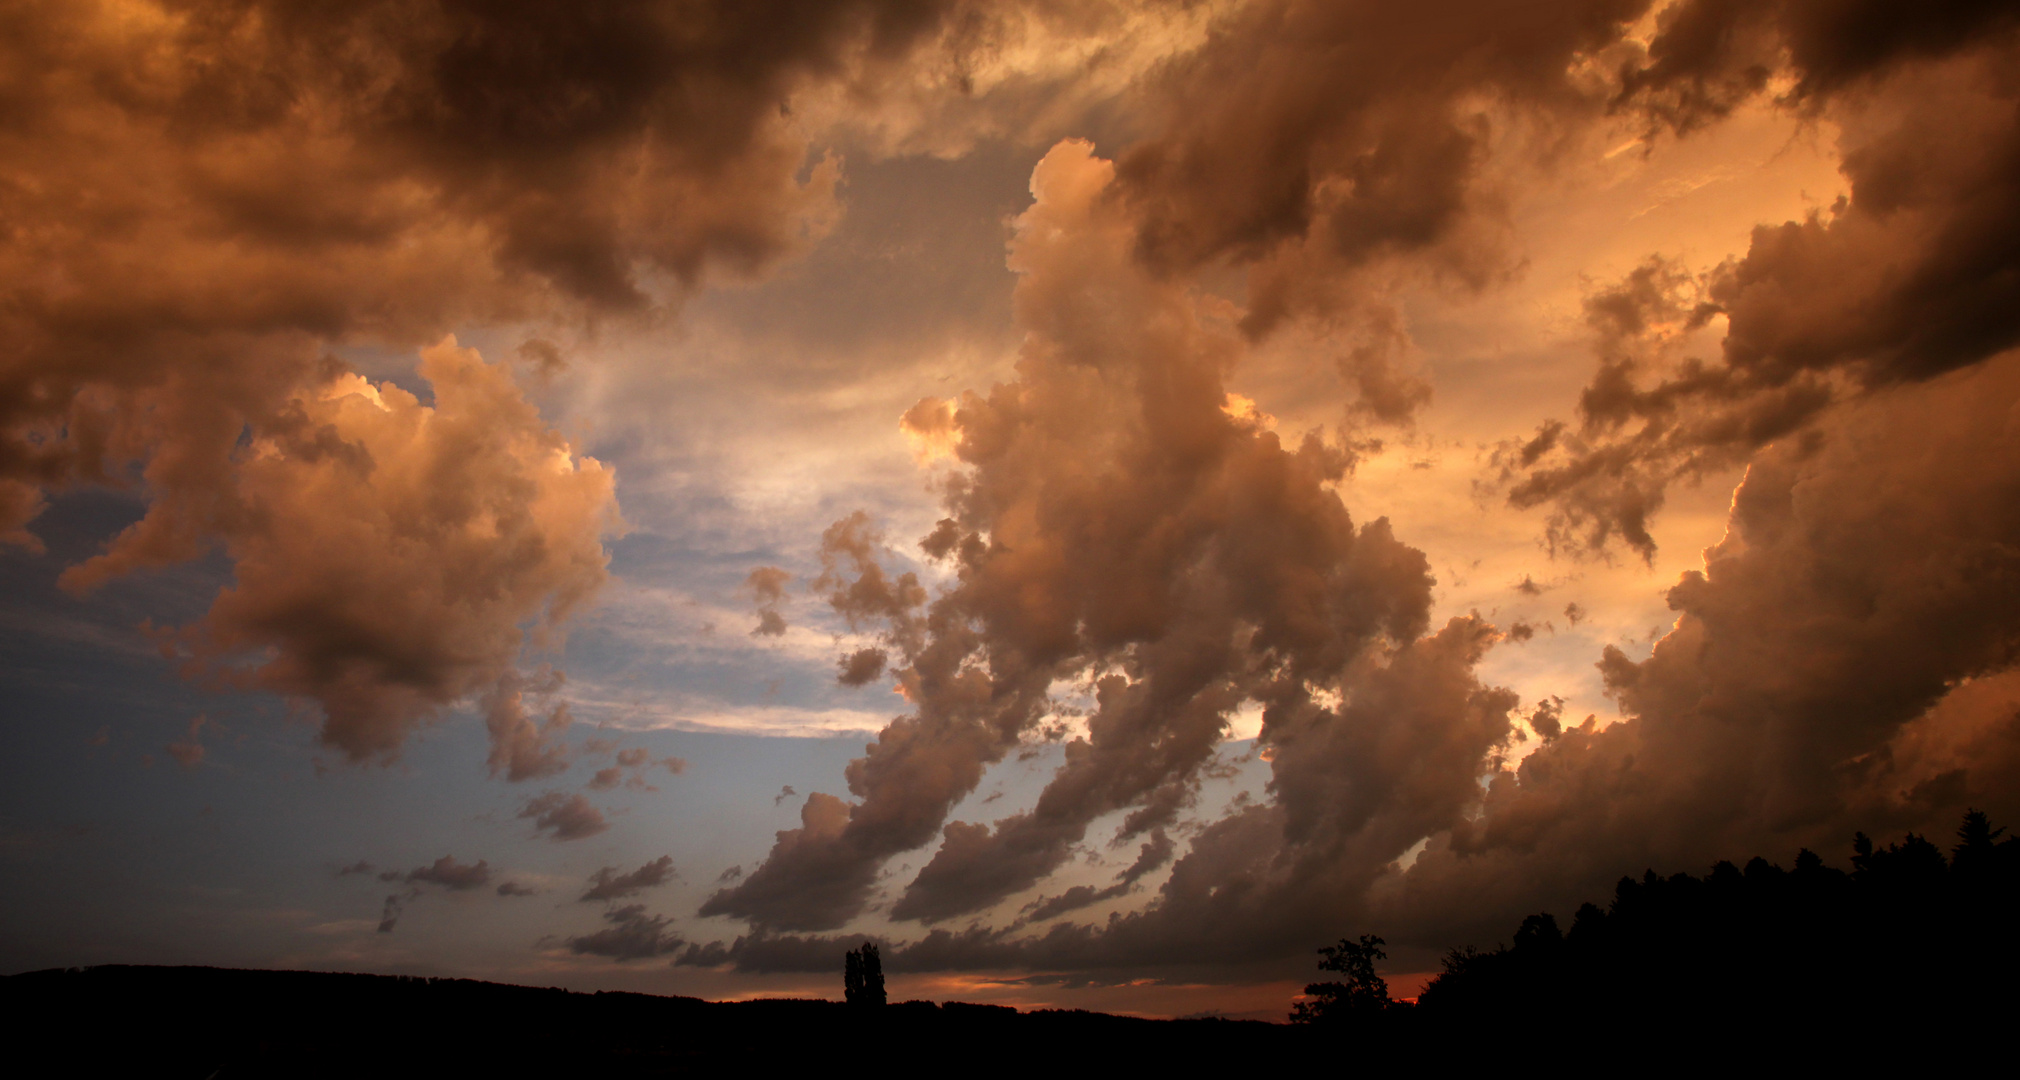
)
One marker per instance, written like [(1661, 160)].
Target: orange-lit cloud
[(388, 553), (1118, 527), (209, 195), (1911, 276), (1331, 386), (1121, 526)]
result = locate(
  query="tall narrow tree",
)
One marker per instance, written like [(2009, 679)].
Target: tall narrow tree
[(863, 976)]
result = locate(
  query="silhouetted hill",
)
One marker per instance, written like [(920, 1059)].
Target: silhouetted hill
[(212, 1022)]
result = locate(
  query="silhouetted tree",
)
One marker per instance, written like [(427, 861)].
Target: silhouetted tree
[(1977, 847), (863, 976), (1363, 995)]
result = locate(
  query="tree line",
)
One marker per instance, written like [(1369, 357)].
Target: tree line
[(1907, 936)]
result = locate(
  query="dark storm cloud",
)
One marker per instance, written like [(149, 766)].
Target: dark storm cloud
[(1709, 56), (208, 194), (608, 884), (1915, 274), (1311, 141), (631, 935)]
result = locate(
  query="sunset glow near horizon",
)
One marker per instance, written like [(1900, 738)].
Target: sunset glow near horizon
[(1100, 498)]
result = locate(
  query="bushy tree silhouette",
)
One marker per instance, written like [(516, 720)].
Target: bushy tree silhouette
[(1362, 996), (863, 976)]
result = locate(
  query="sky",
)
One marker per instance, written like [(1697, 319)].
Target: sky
[(1101, 498)]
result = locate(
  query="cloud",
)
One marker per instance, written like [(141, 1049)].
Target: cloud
[(1313, 143), (1849, 637), (1154, 854), (563, 816), (632, 935), (1118, 527), (1115, 526), (1709, 56), (1845, 660), (513, 888), (452, 875), (225, 194), (1074, 899), (636, 759), (520, 748), (388, 553), (861, 667), (608, 884), (1911, 276), (189, 752), (767, 585), (1547, 719), (389, 915)]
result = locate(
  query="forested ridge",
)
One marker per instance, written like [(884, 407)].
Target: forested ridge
[(1908, 935)]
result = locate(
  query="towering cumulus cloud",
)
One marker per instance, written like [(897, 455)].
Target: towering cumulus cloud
[(203, 196), (1119, 526), (1123, 528)]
